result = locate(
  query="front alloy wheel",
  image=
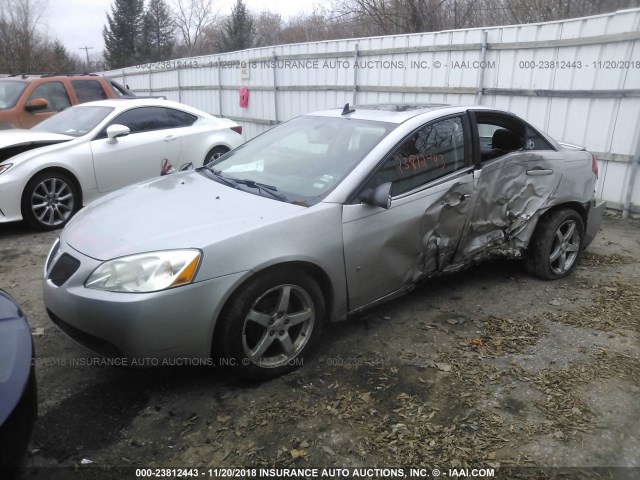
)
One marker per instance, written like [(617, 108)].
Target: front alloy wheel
[(270, 324), (49, 201), (278, 326)]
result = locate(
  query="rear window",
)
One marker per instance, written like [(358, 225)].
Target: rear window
[(178, 118), (88, 90)]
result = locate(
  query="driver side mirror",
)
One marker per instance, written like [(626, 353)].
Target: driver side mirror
[(115, 131), (36, 104), (379, 196)]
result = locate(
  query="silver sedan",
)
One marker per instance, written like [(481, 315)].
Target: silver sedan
[(244, 260)]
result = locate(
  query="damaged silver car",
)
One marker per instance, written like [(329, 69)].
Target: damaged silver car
[(330, 213)]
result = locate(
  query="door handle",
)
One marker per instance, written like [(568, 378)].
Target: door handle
[(170, 138), (537, 172)]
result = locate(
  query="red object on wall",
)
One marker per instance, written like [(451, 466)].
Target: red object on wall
[(244, 97)]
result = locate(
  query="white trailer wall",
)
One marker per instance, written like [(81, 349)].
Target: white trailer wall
[(579, 80)]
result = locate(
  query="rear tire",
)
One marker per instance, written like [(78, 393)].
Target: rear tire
[(214, 154), (270, 324), (556, 245), (49, 201)]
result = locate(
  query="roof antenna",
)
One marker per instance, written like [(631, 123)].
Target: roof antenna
[(346, 110)]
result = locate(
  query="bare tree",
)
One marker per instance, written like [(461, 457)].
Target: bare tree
[(20, 21), (393, 16), (192, 18), (268, 29)]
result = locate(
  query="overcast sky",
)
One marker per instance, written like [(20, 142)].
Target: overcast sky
[(79, 23)]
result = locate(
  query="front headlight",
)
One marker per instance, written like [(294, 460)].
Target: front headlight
[(146, 272), (4, 167)]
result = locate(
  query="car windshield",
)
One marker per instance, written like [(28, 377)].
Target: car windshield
[(10, 91), (302, 160), (75, 121)]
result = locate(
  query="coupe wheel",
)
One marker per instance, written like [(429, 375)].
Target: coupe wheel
[(214, 154), (49, 201), (557, 245), (271, 323)]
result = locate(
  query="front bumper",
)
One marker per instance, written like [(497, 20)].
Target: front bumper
[(594, 219), (138, 327), (10, 198)]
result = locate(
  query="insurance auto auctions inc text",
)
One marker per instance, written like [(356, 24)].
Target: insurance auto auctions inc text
[(353, 473)]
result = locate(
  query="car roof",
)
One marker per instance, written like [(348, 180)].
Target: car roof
[(49, 77), (396, 112), (130, 102)]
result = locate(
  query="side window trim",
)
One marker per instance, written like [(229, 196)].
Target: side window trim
[(468, 160), (103, 133)]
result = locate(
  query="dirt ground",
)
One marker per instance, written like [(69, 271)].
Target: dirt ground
[(488, 368)]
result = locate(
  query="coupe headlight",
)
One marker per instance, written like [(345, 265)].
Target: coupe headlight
[(146, 272), (4, 167)]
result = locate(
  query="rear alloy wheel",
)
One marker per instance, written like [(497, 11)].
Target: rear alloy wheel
[(557, 245), (49, 201), (271, 323), (214, 154)]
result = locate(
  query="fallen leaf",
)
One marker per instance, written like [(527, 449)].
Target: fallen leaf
[(329, 451), (297, 453), (445, 367)]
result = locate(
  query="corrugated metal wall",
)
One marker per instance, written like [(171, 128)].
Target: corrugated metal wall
[(578, 80)]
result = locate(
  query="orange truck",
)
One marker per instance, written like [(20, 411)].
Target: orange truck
[(26, 100)]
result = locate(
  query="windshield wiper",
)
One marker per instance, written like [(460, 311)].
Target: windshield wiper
[(234, 182), (270, 189), (221, 178)]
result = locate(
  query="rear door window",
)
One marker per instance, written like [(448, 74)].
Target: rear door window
[(88, 90)]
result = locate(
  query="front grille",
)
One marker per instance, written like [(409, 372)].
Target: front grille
[(63, 269)]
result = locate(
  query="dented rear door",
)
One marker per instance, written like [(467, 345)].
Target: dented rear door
[(511, 190)]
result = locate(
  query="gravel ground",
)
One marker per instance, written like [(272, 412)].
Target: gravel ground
[(486, 368)]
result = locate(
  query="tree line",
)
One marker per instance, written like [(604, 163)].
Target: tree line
[(195, 27), (139, 31), (23, 46)]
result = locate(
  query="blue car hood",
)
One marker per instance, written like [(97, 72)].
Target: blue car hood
[(181, 210), (15, 355)]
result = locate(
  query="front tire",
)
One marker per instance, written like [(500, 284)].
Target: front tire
[(557, 245), (49, 201), (270, 325)]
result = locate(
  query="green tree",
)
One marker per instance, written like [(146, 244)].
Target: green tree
[(123, 32), (239, 29), (61, 61), (157, 39)]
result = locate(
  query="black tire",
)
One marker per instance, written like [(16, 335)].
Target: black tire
[(557, 245), (49, 201), (214, 154), (284, 343)]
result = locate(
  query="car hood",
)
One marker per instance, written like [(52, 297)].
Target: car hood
[(15, 355), (182, 210), (15, 141)]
